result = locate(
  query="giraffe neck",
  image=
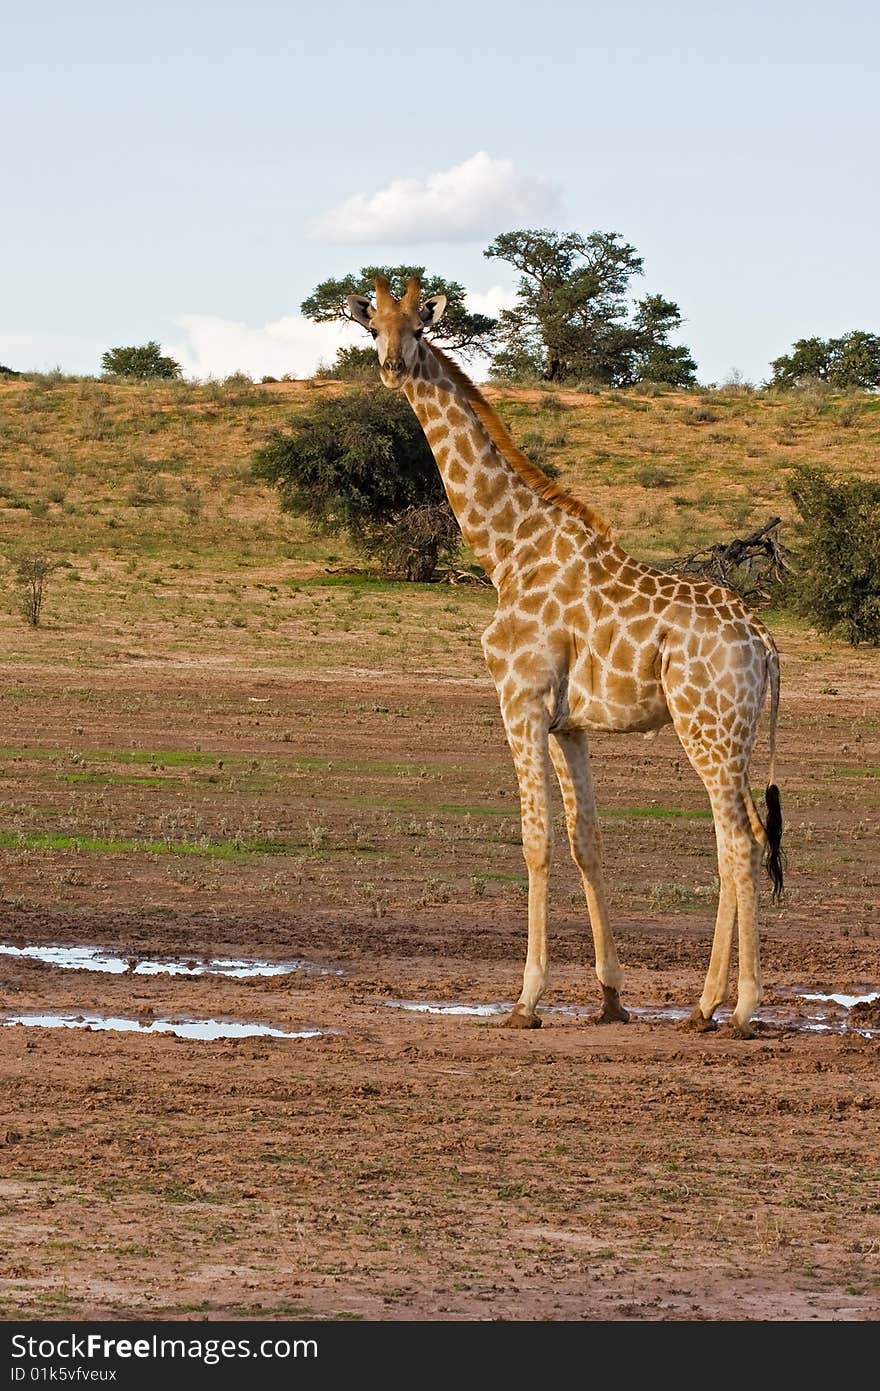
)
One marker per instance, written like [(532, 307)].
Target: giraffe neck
[(495, 507)]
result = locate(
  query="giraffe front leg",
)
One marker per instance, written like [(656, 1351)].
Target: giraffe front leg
[(571, 759), (527, 736)]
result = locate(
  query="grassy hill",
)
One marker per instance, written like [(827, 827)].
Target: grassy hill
[(144, 493)]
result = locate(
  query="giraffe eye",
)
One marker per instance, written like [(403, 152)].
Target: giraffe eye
[(417, 332)]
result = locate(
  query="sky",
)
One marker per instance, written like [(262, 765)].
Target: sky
[(189, 172)]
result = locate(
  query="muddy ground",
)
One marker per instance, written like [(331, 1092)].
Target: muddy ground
[(413, 1165)]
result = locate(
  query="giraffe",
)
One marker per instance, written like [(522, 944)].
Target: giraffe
[(586, 638)]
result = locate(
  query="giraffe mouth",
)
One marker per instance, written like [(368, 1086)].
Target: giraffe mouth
[(392, 379)]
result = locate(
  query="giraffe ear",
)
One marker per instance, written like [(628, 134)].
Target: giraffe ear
[(431, 312), (361, 310)]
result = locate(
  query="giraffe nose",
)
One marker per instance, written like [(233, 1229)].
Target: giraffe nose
[(393, 364)]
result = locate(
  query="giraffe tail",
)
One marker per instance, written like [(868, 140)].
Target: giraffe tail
[(773, 827)]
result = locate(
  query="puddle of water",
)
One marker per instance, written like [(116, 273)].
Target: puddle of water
[(651, 1013), (847, 1001), (446, 1007), (97, 959), (208, 1029)]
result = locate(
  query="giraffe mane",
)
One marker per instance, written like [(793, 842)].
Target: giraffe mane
[(530, 474)]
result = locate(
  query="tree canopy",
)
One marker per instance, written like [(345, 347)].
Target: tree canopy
[(459, 329), (853, 360), (572, 319), (141, 362)]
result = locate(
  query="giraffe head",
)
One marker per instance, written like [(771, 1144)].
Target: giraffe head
[(397, 325)]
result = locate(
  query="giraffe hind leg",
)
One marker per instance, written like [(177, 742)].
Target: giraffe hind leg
[(739, 855), (740, 840)]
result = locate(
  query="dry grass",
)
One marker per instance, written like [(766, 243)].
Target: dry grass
[(143, 493)]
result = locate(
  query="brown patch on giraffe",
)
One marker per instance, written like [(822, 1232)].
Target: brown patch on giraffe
[(601, 639), (563, 549), (640, 629), (551, 611), (532, 602), (456, 498), (530, 525), (503, 519), (530, 667), (435, 435), (569, 587), (623, 654), (465, 449), (576, 619), (489, 489), (622, 690), (539, 576), (479, 540), (512, 632), (455, 473)]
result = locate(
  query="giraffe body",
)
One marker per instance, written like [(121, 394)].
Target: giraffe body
[(587, 639)]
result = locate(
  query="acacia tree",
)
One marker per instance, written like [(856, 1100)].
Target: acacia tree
[(572, 316), (459, 329), (853, 360), (142, 363), (360, 464)]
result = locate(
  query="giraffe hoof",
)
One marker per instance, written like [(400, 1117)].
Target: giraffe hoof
[(612, 1011), (607, 1016), (699, 1024), (518, 1019), (734, 1030)]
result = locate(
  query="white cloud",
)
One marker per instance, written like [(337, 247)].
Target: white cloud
[(292, 346), (479, 198), (490, 301)]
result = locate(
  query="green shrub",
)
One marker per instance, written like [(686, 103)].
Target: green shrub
[(836, 581), (360, 464), (142, 363), (353, 364)]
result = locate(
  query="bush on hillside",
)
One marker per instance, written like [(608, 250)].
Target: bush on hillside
[(853, 360), (140, 363), (360, 464), (836, 583), (353, 365)]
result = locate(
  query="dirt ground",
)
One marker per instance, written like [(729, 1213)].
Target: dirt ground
[(413, 1165)]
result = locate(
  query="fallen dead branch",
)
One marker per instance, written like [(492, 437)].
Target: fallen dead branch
[(751, 565)]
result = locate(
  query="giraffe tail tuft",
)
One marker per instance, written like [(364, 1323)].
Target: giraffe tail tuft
[(773, 830)]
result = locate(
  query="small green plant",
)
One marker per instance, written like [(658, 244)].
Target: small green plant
[(31, 574), (653, 477)]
